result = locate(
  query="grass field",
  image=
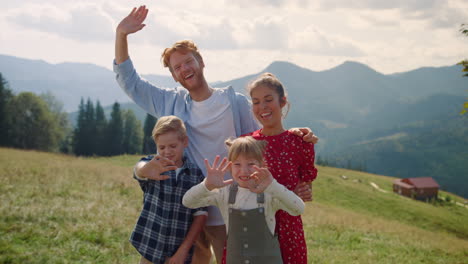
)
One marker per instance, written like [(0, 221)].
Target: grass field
[(63, 209)]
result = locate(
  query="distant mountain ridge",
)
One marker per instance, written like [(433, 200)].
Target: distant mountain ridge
[(351, 80), (68, 81), (404, 124)]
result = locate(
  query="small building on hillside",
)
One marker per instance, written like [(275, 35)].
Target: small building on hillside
[(423, 188)]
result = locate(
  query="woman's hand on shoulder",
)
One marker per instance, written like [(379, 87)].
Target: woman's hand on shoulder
[(306, 134)]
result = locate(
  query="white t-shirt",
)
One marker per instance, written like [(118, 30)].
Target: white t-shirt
[(277, 197), (211, 122)]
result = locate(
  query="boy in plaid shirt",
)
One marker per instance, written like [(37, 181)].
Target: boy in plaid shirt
[(166, 230)]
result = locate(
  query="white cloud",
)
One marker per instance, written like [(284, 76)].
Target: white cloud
[(218, 35), (312, 40), (448, 18), (267, 33), (269, 3), (82, 22), (24, 3), (385, 19), (435, 13), (243, 37), (207, 32), (407, 5)]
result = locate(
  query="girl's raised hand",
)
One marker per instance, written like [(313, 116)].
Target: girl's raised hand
[(215, 174), (260, 180)]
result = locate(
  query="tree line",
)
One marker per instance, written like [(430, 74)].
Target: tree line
[(121, 134), (341, 162), (29, 121)]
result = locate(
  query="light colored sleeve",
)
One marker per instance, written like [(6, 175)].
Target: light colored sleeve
[(135, 171), (201, 212), (284, 199), (244, 120), (199, 196), (154, 100)]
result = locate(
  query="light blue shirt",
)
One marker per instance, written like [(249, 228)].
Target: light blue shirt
[(159, 102)]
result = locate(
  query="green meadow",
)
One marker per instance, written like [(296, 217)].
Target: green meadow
[(63, 209)]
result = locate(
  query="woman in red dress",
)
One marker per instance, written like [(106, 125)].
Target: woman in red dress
[(290, 159)]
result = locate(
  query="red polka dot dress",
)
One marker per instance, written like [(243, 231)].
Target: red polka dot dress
[(290, 160)]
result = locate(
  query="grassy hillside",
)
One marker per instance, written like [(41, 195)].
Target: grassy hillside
[(437, 148), (62, 209)]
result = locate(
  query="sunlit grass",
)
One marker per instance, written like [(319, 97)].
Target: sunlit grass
[(63, 209), (337, 235), (352, 222)]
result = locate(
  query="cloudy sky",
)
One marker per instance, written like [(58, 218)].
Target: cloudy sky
[(243, 37)]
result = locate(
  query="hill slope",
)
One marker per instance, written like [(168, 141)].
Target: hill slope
[(58, 208), (346, 106)]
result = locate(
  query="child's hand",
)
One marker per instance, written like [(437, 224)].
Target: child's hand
[(154, 168), (178, 258), (260, 180), (215, 174)]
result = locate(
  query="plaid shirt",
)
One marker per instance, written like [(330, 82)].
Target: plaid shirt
[(164, 221)]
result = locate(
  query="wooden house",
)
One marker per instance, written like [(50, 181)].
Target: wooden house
[(423, 188)]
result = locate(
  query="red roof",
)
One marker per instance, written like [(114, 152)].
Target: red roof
[(422, 182), (399, 182)]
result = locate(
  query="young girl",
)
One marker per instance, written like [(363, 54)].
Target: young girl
[(288, 157), (248, 202)]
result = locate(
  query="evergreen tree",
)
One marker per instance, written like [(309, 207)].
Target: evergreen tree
[(90, 129), (115, 132), (5, 96), (132, 133), (90, 134), (84, 136), (149, 146), (33, 126), (100, 124), (79, 137)]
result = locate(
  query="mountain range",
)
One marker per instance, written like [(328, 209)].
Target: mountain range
[(404, 124), (68, 81)]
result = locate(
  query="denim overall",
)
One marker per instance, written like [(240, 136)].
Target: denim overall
[(250, 240)]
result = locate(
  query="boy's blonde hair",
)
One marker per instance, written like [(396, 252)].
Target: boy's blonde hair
[(246, 146), (168, 124), (184, 46), (271, 81)]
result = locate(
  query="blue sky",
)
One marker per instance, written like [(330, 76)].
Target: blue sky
[(243, 37)]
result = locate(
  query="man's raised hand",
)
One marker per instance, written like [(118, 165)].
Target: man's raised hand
[(215, 174), (133, 22)]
